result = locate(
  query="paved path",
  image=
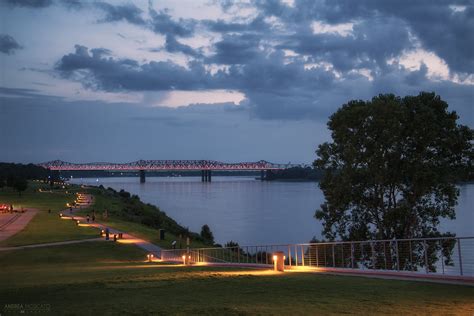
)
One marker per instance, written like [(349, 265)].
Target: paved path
[(20, 222), (127, 238), (10, 225), (59, 243)]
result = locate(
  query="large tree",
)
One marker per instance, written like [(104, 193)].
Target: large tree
[(391, 169)]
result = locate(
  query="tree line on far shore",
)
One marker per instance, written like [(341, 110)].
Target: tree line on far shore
[(16, 175)]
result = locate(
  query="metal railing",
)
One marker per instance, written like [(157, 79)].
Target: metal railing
[(447, 255)]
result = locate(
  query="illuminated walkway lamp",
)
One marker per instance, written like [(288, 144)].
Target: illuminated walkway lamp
[(186, 259), (279, 261)]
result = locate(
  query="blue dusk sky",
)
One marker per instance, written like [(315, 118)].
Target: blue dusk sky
[(119, 81)]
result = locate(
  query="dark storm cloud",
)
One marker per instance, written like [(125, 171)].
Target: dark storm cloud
[(438, 27), (274, 88), (366, 47), (235, 49), (8, 45), (161, 22), (30, 3), (109, 74), (258, 24), (172, 45), (126, 12), (250, 50)]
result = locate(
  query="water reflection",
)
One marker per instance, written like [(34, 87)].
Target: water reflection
[(250, 211)]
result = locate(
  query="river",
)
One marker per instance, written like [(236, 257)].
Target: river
[(249, 211)]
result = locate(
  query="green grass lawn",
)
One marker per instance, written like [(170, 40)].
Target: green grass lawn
[(113, 279), (45, 227), (102, 202)]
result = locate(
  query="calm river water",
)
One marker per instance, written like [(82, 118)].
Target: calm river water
[(249, 211)]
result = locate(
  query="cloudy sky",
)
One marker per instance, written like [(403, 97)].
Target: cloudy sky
[(222, 80)]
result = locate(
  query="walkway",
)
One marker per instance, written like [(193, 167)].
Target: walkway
[(10, 224), (86, 200), (59, 243)]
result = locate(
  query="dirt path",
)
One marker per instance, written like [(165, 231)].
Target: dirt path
[(10, 225)]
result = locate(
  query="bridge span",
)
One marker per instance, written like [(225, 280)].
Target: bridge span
[(205, 166)]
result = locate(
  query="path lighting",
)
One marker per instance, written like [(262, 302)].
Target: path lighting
[(184, 259), (279, 261), (60, 214), (78, 222), (150, 257), (102, 233)]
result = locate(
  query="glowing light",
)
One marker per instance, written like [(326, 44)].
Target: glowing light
[(129, 241), (274, 258)]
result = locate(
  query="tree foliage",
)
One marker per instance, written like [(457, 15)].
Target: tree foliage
[(207, 235), (391, 168), (20, 185)]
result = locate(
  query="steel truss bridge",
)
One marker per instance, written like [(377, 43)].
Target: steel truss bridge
[(205, 166)]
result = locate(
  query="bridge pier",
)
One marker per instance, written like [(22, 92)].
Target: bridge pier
[(142, 176), (206, 176)]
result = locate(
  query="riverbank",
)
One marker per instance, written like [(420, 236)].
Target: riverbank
[(126, 212), (114, 278)]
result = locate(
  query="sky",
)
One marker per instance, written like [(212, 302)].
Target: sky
[(235, 81)]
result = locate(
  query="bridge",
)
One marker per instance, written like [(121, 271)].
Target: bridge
[(205, 166)]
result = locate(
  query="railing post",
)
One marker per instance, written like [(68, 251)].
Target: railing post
[(333, 257), (296, 255), (396, 253), (317, 256), (352, 255), (325, 257), (411, 256), (373, 255), (266, 254), (460, 256), (442, 256), (425, 249), (289, 255), (302, 255), (342, 256), (238, 254)]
